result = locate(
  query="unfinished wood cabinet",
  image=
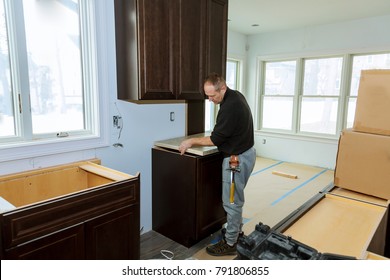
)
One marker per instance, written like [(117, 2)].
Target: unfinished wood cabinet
[(342, 222), (76, 211)]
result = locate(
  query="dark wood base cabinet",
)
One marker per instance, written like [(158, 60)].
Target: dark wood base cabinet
[(187, 195), (96, 219)]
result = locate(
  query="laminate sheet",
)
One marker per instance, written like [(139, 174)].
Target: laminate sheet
[(174, 144)]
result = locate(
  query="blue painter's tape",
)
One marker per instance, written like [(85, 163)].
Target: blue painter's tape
[(264, 169), (298, 187)]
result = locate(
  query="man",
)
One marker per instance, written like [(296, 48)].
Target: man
[(233, 134)]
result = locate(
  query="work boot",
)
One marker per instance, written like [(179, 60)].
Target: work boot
[(223, 232), (221, 235), (222, 249)]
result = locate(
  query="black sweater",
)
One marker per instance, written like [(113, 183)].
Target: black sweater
[(233, 133)]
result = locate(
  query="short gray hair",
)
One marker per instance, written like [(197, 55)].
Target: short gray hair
[(216, 80)]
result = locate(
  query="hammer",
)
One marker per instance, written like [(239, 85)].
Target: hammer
[(233, 167)]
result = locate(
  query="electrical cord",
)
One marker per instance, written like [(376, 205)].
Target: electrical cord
[(120, 116), (167, 254), (120, 126)]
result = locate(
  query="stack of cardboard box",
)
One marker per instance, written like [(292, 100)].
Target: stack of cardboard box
[(363, 158)]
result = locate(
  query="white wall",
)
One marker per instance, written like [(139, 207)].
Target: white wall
[(236, 45), (371, 34)]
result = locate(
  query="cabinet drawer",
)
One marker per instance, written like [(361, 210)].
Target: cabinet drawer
[(67, 244)]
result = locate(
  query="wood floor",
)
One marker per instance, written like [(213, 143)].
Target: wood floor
[(157, 246)]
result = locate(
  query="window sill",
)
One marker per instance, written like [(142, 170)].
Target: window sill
[(299, 137), (25, 150)]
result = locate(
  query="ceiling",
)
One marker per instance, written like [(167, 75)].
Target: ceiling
[(277, 15)]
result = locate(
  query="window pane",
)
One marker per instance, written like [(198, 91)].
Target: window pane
[(322, 76), (351, 111), (54, 62), (232, 74), (7, 120), (209, 114), (277, 112), (376, 61), (280, 78), (319, 115)]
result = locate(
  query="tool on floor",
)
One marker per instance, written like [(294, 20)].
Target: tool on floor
[(234, 166)]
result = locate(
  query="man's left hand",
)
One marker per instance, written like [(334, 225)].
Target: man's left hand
[(186, 144)]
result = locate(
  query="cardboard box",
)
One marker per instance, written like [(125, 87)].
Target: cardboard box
[(372, 113), (363, 163)]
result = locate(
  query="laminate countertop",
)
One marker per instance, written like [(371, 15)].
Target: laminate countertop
[(174, 144)]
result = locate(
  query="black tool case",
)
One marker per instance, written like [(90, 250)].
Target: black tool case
[(265, 244)]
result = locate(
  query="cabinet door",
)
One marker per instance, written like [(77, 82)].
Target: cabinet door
[(126, 44), (210, 212), (216, 36), (156, 51), (114, 236), (191, 49), (67, 244), (174, 195)]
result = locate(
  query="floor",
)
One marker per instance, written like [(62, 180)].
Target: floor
[(274, 190), (157, 246)]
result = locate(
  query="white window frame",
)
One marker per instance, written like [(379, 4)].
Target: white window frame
[(261, 95), (338, 97), (342, 99), (97, 98)]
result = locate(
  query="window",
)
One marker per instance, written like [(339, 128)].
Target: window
[(320, 96), (233, 73), (233, 77), (47, 67), (278, 98), (312, 96), (7, 120)]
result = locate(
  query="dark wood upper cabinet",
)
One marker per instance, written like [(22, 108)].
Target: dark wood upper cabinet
[(166, 48)]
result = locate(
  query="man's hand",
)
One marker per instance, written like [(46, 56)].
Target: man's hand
[(186, 144), (197, 141)]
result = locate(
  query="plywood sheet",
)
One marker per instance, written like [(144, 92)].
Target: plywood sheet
[(41, 186), (338, 225), (360, 196), (105, 172)]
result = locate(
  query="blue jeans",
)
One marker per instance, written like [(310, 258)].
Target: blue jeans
[(234, 211)]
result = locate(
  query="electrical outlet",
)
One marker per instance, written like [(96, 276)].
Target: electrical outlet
[(116, 121)]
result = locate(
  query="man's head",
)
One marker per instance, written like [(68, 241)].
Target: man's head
[(215, 88)]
